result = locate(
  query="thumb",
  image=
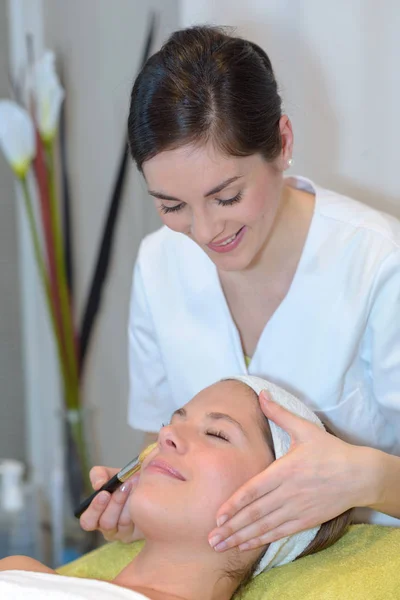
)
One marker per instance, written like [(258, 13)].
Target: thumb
[(298, 428), (100, 475)]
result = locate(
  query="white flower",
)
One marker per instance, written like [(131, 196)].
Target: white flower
[(47, 96), (17, 136)]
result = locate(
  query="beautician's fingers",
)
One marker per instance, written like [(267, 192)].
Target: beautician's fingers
[(109, 512), (109, 521), (127, 530), (89, 520), (116, 523), (288, 528), (251, 521), (255, 531), (126, 527)]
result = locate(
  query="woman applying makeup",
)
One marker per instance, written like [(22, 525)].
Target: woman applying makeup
[(257, 273)]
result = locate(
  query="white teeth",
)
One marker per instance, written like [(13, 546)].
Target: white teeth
[(228, 241)]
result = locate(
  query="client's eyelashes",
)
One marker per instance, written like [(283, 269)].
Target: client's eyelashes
[(218, 434)]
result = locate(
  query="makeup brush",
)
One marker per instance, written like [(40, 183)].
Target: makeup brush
[(112, 484)]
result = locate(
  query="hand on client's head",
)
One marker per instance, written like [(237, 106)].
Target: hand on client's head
[(305, 488)]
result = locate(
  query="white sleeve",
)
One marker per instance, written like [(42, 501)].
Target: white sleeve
[(149, 397), (384, 336)]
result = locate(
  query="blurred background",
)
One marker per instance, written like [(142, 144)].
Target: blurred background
[(337, 65)]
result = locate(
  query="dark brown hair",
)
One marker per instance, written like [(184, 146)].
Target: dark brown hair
[(205, 85)]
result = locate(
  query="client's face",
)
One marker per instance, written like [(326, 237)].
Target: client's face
[(210, 448)]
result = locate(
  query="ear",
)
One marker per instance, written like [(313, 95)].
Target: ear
[(286, 132)]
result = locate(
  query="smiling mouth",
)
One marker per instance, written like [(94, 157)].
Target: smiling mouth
[(229, 243), (227, 240)]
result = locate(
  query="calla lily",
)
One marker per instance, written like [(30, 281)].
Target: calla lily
[(17, 136), (47, 95)]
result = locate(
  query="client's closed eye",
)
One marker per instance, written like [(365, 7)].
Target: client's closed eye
[(218, 434)]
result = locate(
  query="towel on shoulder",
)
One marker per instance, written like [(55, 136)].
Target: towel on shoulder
[(29, 585)]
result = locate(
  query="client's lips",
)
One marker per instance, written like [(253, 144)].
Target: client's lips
[(165, 468)]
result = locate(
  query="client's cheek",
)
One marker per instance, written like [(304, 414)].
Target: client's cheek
[(224, 481)]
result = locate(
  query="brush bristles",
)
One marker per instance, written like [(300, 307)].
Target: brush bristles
[(146, 452)]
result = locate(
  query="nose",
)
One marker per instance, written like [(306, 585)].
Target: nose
[(204, 229), (170, 440)]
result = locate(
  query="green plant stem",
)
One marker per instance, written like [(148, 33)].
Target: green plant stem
[(73, 400), (43, 274), (65, 306), (70, 386), (75, 419)]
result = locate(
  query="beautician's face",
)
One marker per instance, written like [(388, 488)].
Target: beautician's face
[(211, 447), (227, 205)]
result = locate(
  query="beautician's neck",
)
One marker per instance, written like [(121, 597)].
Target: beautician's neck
[(176, 573)]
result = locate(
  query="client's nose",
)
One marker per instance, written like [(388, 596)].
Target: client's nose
[(169, 439)]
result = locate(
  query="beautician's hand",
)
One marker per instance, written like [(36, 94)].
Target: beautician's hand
[(319, 478), (109, 512)]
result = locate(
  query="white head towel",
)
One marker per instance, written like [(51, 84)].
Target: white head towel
[(287, 549)]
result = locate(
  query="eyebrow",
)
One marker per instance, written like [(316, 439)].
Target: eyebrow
[(215, 190), (215, 416)]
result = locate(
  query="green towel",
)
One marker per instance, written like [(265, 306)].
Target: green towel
[(363, 565)]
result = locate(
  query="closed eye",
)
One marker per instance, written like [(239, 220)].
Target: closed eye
[(218, 434)]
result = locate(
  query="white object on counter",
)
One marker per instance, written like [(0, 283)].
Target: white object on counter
[(19, 514), (12, 494)]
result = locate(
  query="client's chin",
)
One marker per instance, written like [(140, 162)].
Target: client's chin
[(161, 510)]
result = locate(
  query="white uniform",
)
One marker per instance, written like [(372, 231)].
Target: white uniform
[(334, 341), (27, 585)]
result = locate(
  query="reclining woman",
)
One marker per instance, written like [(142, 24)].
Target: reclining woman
[(211, 447)]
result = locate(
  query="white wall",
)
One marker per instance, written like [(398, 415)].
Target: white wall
[(337, 64)]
